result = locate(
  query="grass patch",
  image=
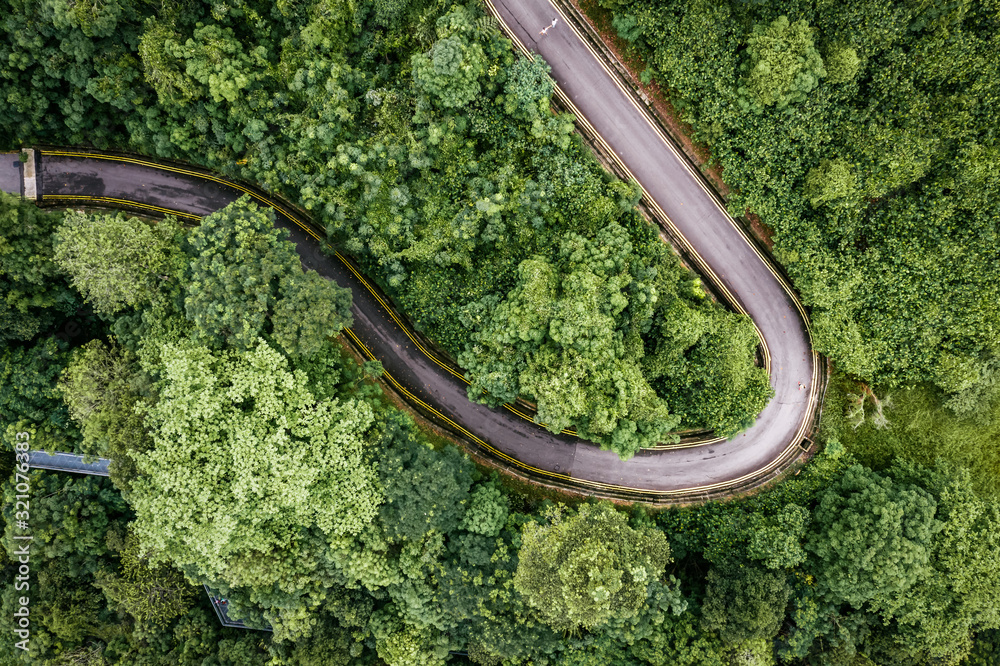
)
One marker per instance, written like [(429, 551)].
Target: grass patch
[(919, 428)]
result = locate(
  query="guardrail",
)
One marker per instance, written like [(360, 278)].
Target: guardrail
[(68, 462), (221, 606), (572, 486)]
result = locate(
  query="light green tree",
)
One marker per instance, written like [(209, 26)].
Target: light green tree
[(116, 262), (842, 64), (756, 652), (832, 182), (216, 58), (972, 383), (245, 460), (583, 569), (94, 19), (487, 512), (402, 644), (784, 64)]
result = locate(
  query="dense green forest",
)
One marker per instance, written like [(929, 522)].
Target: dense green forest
[(252, 454), (428, 150), (865, 135)]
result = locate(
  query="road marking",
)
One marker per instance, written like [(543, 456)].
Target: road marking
[(29, 178), (575, 482)]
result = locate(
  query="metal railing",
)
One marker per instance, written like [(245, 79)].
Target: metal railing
[(68, 462), (60, 461)]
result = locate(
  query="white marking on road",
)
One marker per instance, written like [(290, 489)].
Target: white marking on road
[(28, 174)]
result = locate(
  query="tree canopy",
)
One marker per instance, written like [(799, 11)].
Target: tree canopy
[(246, 281), (115, 261), (239, 437), (872, 538), (784, 64), (251, 454), (862, 134), (586, 569), (34, 296)]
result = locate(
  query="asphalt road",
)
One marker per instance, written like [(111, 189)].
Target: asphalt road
[(10, 173), (671, 186), (716, 242), (65, 179)]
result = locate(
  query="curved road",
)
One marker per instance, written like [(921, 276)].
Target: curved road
[(672, 189), (677, 195)]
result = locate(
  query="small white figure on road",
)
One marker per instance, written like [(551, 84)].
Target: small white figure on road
[(545, 30)]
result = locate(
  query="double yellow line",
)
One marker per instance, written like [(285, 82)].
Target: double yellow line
[(651, 202), (612, 489), (173, 169), (267, 202), (111, 201)]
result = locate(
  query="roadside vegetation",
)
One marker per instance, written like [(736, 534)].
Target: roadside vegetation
[(251, 455), (864, 134), (428, 150), (916, 424)]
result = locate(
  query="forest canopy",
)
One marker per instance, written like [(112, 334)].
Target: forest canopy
[(430, 153), (865, 135), (861, 131)]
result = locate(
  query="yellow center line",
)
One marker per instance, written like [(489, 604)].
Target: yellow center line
[(122, 202), (682, 239), (496, 452)]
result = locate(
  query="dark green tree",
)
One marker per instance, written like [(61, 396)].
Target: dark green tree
[(33, 294), (102, 386), (425, 490), (246, 280), (153, 595), (872, 539), (28, 388), (556, 339), (449, 73), (744, 603), (777, 541)]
